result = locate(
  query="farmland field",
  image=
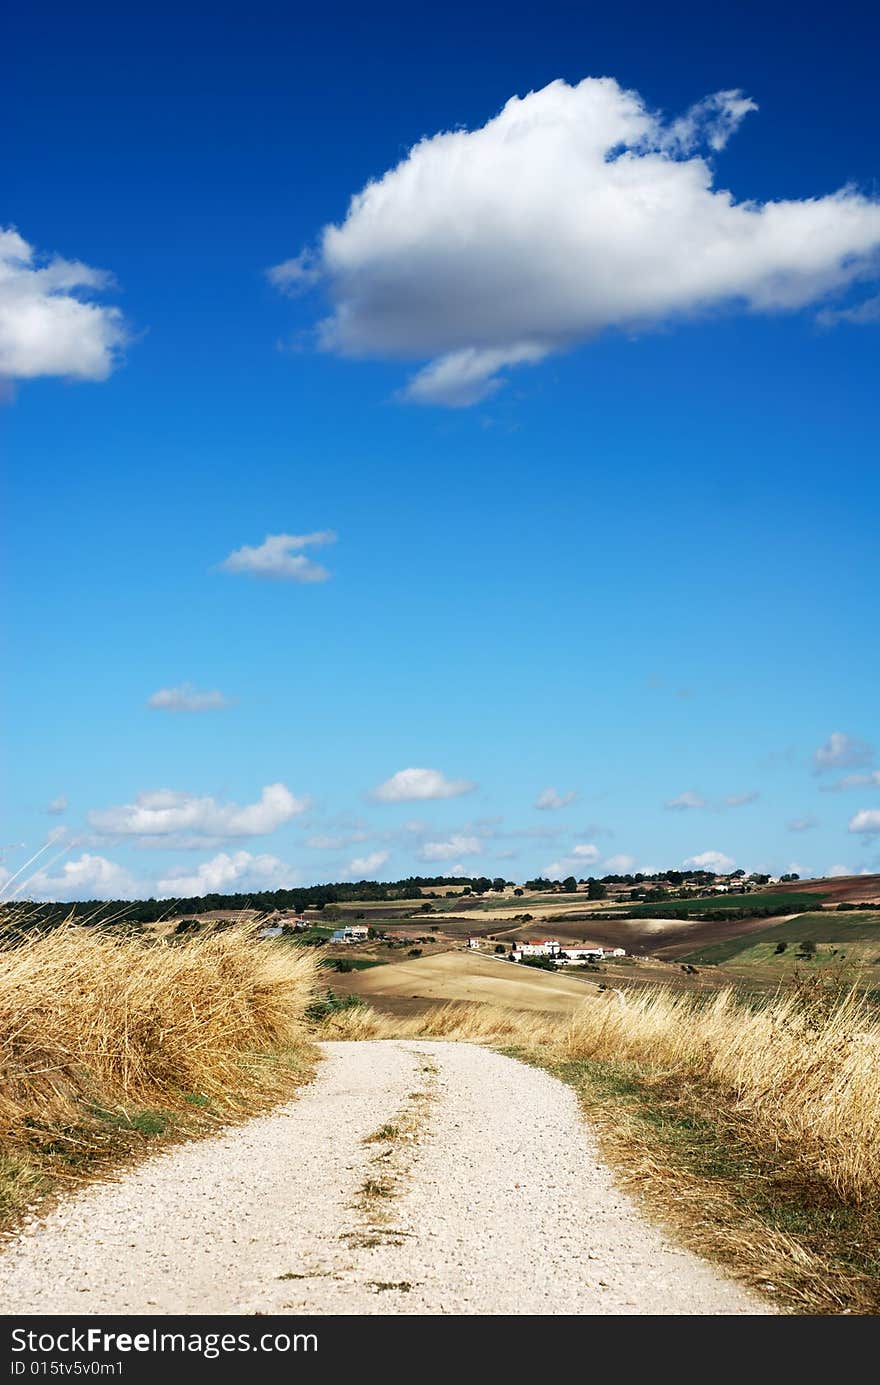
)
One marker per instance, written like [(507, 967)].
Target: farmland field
[(825, 927)]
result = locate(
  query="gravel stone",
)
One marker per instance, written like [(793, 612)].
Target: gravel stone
[(500, 1205)]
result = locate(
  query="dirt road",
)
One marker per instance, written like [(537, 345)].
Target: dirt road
[(410, 1177)]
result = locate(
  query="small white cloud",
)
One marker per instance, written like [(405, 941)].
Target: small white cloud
[(186, 698), (838, 872), (228, 874), (57, 806), (710, 860), (174, 817), (860, 315), (280, 558), (364, 867), (549, 799), (868, 779), (620, 865), (867, 821), (802, 824), (740, 800), (575, 210), (841, 752), (408, 785), (89, 877), (686, 800), (456, 845), (49, 324), (580, 856), (295, 276)]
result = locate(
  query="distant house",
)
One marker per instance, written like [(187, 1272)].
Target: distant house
[(351, 933), (541, 947), (473, 942), (579, 955)]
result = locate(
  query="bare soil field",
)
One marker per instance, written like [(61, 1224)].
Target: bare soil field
[(845, 889)]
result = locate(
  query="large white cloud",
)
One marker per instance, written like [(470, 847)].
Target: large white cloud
[(574, 210), (410, 785), (280, 558), (186, 698), (49, 324), (89, 877), (228, 874), (174, 818)]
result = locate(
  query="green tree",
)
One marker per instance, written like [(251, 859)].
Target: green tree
[(596, 890), (570, 885)]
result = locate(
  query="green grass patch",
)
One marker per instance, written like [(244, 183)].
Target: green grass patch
[(823, 927), (747, 905), (354, 963)]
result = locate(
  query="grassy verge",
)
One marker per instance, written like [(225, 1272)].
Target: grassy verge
[(110, 1046), (696, 1164)]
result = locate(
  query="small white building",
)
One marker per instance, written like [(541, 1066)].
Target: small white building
[(579, 955), (542, 947), (351, 933), (473, 942)]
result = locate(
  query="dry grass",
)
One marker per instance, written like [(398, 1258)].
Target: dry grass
[(803, 1069), (107, 1042)]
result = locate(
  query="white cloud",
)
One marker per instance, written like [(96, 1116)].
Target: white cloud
[(296, 275), (186, 698), (860, 315), (867, 821), (89, 877), (802, 824), (228, 874), (838, 872), (178, 818), (710, 860), (456, 845), (686, 800), (279, 558), (407, 785), (620, 865), (574, 210), (57, 806), (363, 867), (740, 800), (868, 778), (549, 799), (584, 854), (48, 323), (841, 752)]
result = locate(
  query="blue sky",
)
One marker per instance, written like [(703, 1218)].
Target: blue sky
[(603, 480)]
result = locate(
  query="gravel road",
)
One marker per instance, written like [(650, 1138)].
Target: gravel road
[(409, 1177)]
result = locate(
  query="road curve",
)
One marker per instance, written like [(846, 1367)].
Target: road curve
[(409, 1177)]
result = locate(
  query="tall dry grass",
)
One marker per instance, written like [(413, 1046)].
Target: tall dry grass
[(803, 1071), (95, 1024)]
